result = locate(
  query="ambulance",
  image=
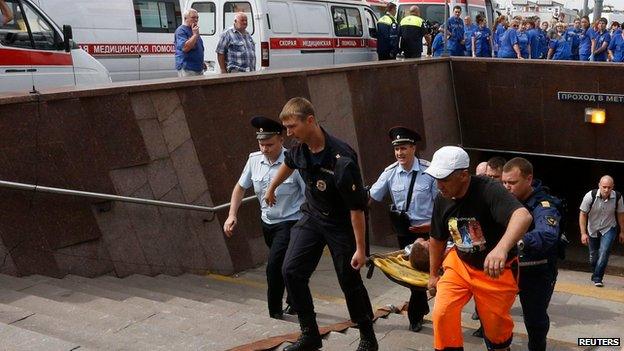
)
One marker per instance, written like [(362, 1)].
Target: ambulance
[(36, 53), (133, 39)]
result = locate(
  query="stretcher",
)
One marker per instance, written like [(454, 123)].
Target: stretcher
[(398, 269)]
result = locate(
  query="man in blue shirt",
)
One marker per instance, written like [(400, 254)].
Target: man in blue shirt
[(277, 220), (189, 47), (455, 27), (236, 50), (412, 192), (469, 29)]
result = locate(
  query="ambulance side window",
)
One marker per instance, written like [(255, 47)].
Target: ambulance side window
[(15, 33), (157, 16), (347, 21), (229, 12), (207, 17), (43, 34), (371, 23)]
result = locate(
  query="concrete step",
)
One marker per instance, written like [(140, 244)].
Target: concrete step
[(15, 338)]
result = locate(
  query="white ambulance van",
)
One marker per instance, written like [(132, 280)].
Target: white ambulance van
[(433, 10), (293, 34), (133, 39), (35, 53)]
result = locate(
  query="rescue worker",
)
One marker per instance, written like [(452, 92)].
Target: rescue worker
[(573, 33), (560, 47), (455, 27), (544, 39), (537, 248), (481, 39), (388, 34), (437, 46), (616, 47), (509, 46), (333, 215), (523, 40), (411, 32), (500, 27), (412, 192), (277, 221), (469, 29), (600, 42), (585, 39), (534, 41), (485, 223)]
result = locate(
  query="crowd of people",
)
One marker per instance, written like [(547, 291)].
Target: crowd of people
[(518, 37)]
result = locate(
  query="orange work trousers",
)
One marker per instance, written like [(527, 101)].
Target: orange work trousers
[(493, 297)]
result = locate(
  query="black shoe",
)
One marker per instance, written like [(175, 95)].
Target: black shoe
[(310, 339), (478, 333), (416, 327), (278, 315), (289, 310), (368, 340)]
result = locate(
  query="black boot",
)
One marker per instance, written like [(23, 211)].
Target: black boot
[(368, 340), (310, 339)]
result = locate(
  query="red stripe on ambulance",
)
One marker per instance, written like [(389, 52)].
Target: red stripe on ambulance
[(22, 57)]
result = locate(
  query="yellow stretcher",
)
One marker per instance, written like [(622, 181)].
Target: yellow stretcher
[(398, 269)]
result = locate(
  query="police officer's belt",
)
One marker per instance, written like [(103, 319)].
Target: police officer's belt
[(533, 263)]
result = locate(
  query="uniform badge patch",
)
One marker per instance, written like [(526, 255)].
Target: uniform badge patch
[(552, 221), (545, 204), (353, 187), (337, 155), (320, 185)]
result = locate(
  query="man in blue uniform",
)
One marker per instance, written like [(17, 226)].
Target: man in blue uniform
[(277, 220), (469, 29), (538, 248), (455, 27), (333, 215), (388, 34), (412, 192)]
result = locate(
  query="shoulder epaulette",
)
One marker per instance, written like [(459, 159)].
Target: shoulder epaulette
[(424, 162), (391, 166), (254, 154)]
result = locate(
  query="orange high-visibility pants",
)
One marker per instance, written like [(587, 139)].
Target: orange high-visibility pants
[(493, 297)]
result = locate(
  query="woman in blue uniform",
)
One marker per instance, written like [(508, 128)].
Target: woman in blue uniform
[(481, 39), (500, 26), (509, 46), (523, 39), (560, 47), (600, 42), (585, 39), (616, 47), (437, 46)]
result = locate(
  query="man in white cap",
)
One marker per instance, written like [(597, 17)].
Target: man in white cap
[(484, 222)]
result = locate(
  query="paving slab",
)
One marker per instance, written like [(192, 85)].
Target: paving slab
[(15, 338)]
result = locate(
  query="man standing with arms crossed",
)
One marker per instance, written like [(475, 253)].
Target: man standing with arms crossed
[(277, 220), (333, 215), (485, 223), (412, 193)]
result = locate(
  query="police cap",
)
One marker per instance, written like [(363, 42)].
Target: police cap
[(266, 127), (402, 135)]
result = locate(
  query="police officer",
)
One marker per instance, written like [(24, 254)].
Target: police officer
[(388, 34), (333, 215), (538, 248), (412, 192), (277, 220), (411, 31)]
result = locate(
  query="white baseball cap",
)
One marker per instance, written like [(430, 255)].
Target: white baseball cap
[(446, 160)]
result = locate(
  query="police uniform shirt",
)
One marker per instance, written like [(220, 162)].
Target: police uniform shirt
[(259, 172), (332, 178), (396, 180)]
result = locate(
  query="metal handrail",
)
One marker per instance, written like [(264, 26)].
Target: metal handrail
[(110, 197)]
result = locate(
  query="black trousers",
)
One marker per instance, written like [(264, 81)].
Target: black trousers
[(418, 306), (536, 288), (276, 237), (308, 239)]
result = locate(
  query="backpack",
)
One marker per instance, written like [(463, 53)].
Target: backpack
[(618, 196), (562, 207)]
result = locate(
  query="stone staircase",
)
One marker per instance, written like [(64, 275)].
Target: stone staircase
[(192, 312)]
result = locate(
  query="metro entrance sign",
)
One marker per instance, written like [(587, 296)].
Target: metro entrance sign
[(589, 97)]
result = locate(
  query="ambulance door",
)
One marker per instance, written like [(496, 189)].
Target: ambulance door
[(351, 44), (313, 44), (156, 22), (15, 48), (371, 23), (207, 11), (51, 65)]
